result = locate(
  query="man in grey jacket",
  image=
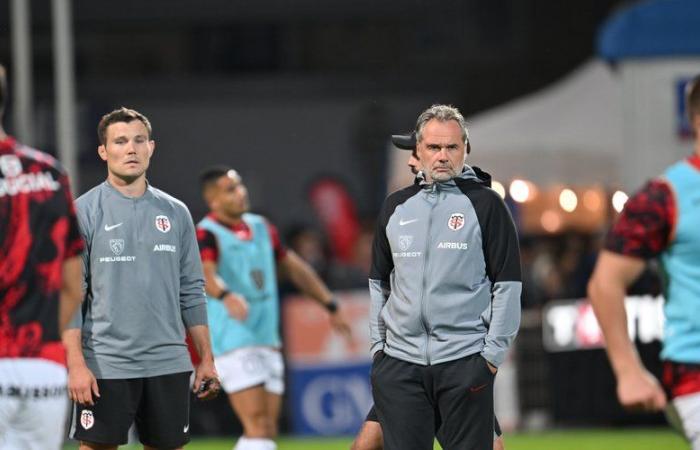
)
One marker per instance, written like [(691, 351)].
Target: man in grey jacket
[(126, 353), (445, 287)]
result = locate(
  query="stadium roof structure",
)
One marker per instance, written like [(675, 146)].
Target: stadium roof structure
[(657, 28)]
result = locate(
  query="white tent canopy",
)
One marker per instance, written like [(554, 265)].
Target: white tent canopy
[(571, 132)]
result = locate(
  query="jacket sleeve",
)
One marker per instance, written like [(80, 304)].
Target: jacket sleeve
[(379, 283), (502, 256), (192, 299)]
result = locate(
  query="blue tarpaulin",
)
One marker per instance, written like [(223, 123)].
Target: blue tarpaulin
[(650, 29)]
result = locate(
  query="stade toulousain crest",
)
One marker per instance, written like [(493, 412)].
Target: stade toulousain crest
[(87, 420), (163, 224), (258, 277), (456, 221)]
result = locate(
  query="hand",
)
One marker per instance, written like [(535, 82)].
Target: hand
[(236, 306), (82, 385), (377, 355), (492, 368), (340, 324), (639, 390), (207, 378)]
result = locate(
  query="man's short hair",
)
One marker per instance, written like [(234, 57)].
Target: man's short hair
[(443, 113), (692, 98), (3, 89), (210, 175), (121, 115)]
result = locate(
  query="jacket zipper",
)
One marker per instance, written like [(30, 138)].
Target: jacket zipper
[(426, 259)]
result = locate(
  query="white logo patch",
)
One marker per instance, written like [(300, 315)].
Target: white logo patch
[(407, 254), (186, 428), (117, 246), (111, 227), (87, 420), (26, 183), (453, 245), (406, 222), (164, 248), (456, 221), (405, 242), (162, 224), (10, 166)]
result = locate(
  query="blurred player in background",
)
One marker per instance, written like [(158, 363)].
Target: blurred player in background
[(127, 357), (40, 289), (370, 435), (240, 253), (661, 221)]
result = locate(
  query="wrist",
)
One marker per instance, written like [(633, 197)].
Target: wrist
[(75, 363), (223, 294), (625, 366)]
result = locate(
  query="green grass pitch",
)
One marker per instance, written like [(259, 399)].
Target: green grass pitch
[(597, 439)]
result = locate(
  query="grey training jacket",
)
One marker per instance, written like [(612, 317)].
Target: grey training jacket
[(144, 283), (445, 278)]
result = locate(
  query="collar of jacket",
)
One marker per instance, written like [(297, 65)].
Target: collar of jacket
[(469, 173)]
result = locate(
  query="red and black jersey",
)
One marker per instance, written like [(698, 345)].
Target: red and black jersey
[(645, 227), (209, 251), (38, 232)]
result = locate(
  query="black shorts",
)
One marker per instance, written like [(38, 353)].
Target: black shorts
[(159, 406), (372, 417)]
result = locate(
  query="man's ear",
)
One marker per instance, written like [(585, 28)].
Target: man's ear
[(102, 151)]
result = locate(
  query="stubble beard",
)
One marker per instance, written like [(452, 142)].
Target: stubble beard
[(443, 176)]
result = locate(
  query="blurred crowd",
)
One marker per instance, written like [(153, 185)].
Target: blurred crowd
[(555, 266)]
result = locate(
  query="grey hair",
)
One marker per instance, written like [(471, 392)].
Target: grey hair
[(442, 113)]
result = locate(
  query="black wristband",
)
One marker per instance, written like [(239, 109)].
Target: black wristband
[(223, 294), (332, 306)]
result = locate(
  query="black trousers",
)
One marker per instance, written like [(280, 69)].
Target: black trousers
[(411, 400)]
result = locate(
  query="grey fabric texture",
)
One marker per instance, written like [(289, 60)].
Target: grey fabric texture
[(144, 283)]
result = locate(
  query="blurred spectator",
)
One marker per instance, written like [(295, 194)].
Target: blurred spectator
[(312, 247)]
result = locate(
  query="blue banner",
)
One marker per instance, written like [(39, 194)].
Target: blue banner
[(329, 399)]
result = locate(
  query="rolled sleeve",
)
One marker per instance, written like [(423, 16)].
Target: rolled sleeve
[(196, 315)]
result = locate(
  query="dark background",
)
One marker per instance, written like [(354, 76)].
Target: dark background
[(288, 91)]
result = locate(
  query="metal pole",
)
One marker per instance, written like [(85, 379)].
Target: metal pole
[(64, 86), (22, 86)]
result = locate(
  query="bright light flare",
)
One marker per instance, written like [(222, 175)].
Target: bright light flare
[(499, 188), (520, 190), (568, 200), (619, 199)]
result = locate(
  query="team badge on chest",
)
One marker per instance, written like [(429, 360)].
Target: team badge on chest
[(117, 246), (456, 221), (163, 224), (87, 420), (258, 277)]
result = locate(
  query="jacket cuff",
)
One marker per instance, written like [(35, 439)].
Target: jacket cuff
[(495, 358)]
